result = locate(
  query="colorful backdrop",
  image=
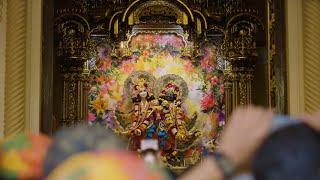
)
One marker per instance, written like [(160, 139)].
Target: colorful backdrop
[(158, 54)]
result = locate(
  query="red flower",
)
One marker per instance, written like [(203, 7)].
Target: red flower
[(188, 152), (207, 102), (214, 81)]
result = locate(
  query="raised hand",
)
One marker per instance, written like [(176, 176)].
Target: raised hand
[(245, 131)]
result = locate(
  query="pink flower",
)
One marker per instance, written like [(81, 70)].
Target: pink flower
[(214, 81), (91, 117), (207, 102)]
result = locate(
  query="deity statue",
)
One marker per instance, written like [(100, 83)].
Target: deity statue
[(143, 111), (157, 113), (139, 88), (172, 129)]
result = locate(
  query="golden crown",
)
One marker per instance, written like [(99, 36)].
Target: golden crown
[(139, 82)]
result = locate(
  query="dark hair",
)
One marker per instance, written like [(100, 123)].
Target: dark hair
[(291, 153)]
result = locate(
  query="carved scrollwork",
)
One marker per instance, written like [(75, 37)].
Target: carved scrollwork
[(241, 53), (72, 32), (271, 52), (156, 9), (72, 36)]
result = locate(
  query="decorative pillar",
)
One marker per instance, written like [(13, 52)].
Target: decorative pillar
[(15, 67), (311, 55), (72, 41), (241, 55), (3, 27)]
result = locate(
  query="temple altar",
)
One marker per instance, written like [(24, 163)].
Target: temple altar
[(166, 70)]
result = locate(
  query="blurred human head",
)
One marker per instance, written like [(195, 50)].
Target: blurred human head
[(21, 156), (292, 152), (101, 165), (81, 138)]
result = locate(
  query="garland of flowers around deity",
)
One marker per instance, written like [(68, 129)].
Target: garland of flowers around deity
[(141, 112), (172, 111)]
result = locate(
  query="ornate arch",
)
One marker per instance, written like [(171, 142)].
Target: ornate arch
[(180, 6)]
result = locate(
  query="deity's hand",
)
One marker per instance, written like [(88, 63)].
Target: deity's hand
[(137, 132)]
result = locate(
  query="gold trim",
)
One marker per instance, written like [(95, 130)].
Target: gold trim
[(204, 19), (191, 15), (143, 7), (73, 14), (125, 13), (271, 51), (130, 19), (199, 28), (116, 27), (33, 65), (110, 23), (246, 14), (294, 42)]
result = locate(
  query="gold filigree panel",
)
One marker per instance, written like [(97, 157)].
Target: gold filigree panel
[(157, 8), (271, 52)]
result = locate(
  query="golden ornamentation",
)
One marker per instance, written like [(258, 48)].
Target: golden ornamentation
[(241, 53), (188, 9), (237, 27), (203, 18), (157, 8), (72, 32), (133, 80), (129, 7), (271, 53)]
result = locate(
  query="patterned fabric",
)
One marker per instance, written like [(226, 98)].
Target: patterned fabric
[(118, 165), (21, 156), (70, 141)]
